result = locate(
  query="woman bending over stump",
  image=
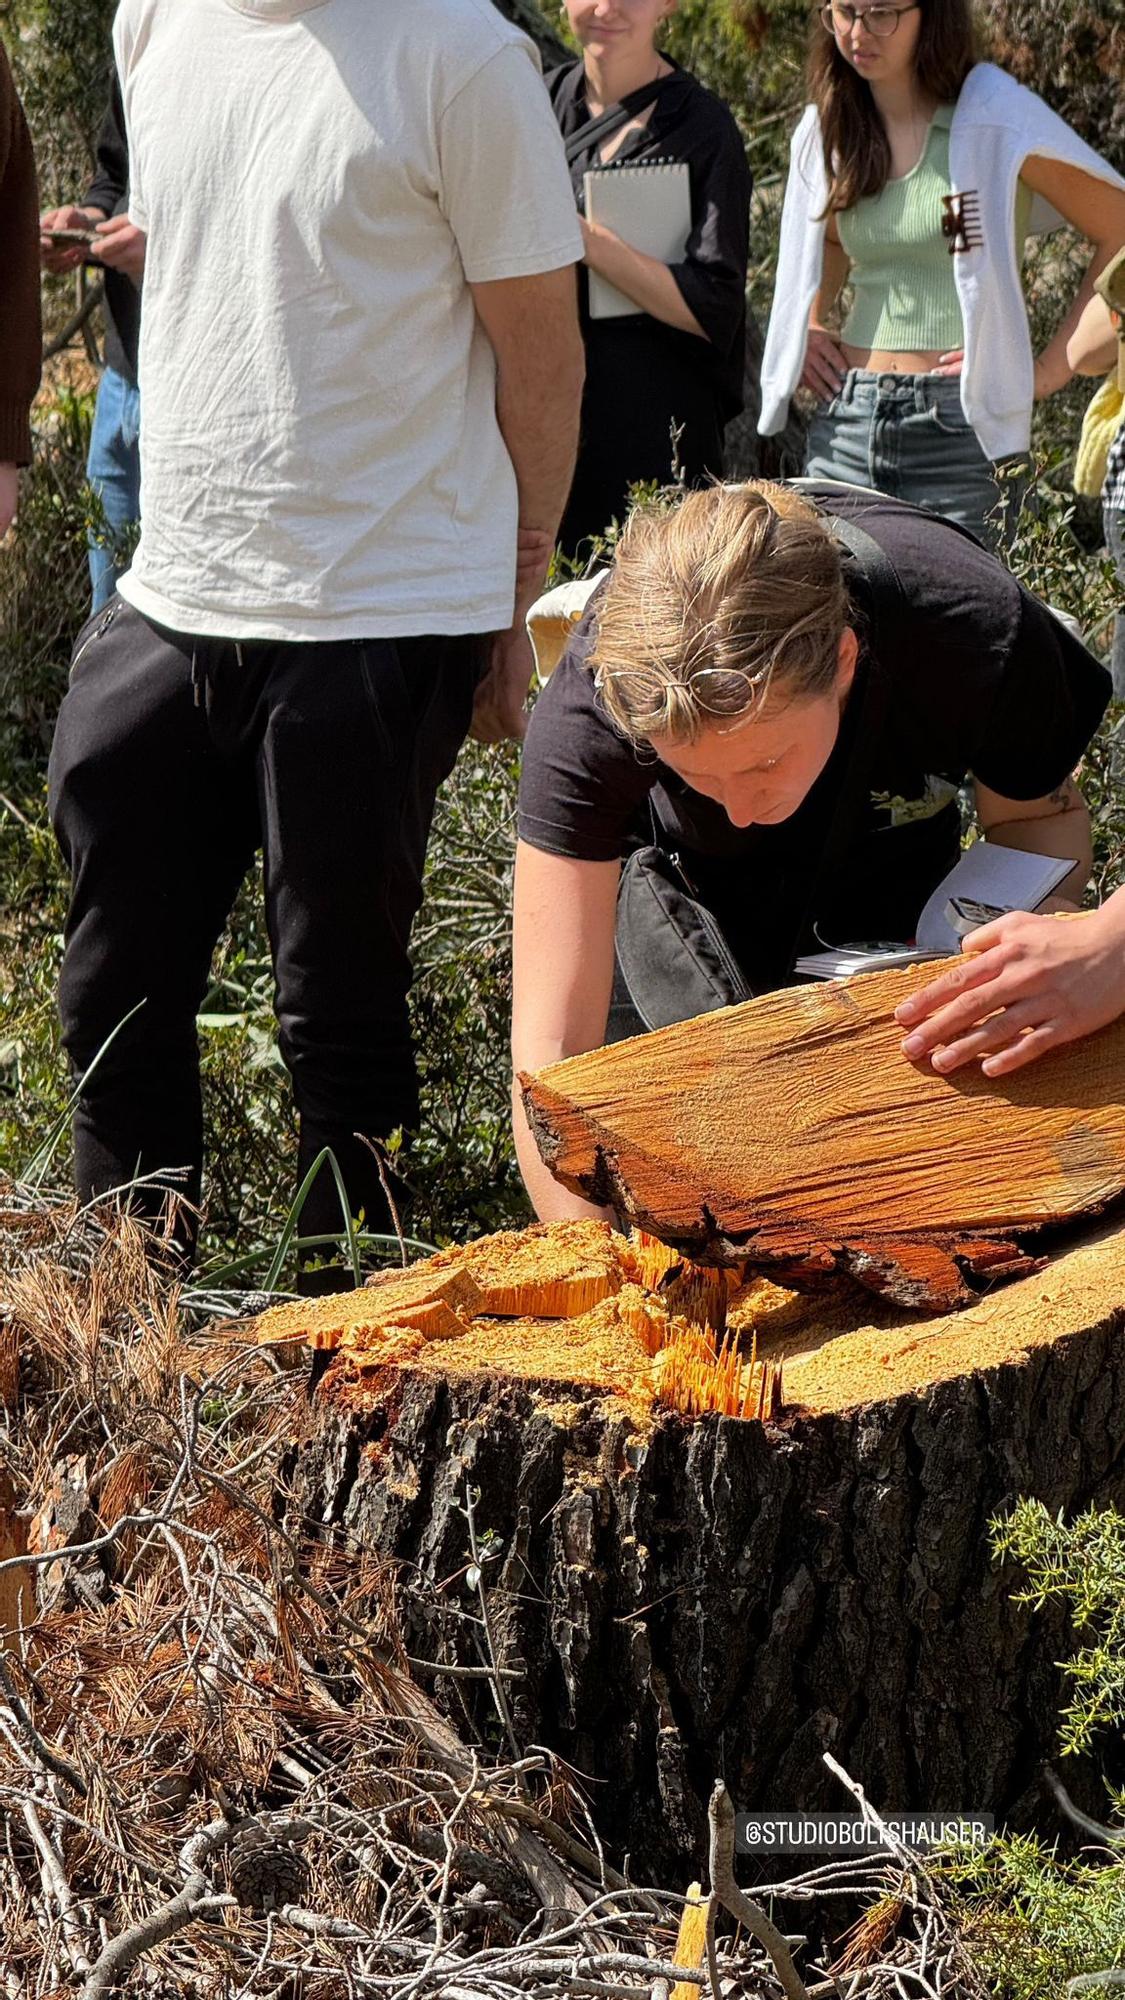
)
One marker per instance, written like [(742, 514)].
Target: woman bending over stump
[(754, 744)]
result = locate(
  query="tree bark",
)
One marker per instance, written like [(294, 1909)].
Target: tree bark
[(682, 1600), (791, 1133)]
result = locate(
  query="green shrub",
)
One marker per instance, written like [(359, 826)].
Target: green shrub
[(1074, 56), (1031, 1920), (1082, 1565), (61, 57), (44, 590)]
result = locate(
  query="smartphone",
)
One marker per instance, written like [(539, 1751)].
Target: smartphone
[(963, 914), (83, 236)]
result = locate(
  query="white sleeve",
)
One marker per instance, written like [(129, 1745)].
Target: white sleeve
[(505, 189), (123, 38), (800, 262)]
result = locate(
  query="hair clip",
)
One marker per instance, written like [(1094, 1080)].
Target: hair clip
[(961, 221)]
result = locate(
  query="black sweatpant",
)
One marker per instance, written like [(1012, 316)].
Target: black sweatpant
[(174, 760)]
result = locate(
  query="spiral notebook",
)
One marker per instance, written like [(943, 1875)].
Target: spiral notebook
[(647, 204)]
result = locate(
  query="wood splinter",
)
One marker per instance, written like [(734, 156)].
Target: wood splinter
[(565, 1301)]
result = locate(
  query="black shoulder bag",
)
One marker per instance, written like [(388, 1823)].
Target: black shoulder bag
[(672, 958)]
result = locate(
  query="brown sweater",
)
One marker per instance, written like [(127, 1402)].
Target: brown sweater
[(21, 337)]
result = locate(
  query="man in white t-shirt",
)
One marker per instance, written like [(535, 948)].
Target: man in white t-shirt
[(362, 371)]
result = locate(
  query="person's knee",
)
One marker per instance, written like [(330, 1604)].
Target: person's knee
[(87, 774)]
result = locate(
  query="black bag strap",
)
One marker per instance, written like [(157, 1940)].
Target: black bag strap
[(613, 118), (885, 585)]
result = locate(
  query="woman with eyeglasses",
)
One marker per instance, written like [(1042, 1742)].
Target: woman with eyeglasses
[(754, 745), (916, 175), (664, 369)]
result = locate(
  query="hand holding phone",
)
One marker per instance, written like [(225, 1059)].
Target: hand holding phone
[(65, 237)]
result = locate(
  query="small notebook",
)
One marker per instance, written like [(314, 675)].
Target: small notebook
[(1004, 877), (647, 204)]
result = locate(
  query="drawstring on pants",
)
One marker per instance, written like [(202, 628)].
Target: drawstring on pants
[(199, 673)]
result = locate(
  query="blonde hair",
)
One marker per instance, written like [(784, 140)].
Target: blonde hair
[(735, 593)]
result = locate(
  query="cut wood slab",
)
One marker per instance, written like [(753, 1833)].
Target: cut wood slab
[(790, 1133)]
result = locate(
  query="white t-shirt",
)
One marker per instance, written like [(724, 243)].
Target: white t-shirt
[(320, 455)]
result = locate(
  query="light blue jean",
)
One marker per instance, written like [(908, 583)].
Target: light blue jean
[(907, 436), (113, 468)]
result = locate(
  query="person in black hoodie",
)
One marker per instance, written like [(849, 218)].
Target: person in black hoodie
[(20, 336), (113, 466), (663, 381)]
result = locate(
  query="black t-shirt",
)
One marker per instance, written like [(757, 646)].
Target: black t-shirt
[(689, 124), (981, 679)]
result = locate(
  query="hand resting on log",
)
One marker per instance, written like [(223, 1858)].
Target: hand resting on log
[(1023, 985)]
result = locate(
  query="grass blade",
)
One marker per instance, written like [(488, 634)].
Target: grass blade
[(33, 1173), (289, 1228)]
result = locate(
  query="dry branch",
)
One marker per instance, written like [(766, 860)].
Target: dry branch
[(726, 1891), (197, 1898)]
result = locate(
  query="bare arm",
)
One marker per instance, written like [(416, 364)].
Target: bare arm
[(1058, 825), (825, 363), (833, 275), (532, 324), (1092, 347), (1097, 211), (645, 280), (563, 927)]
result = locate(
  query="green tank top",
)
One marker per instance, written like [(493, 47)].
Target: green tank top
[(904, 290)]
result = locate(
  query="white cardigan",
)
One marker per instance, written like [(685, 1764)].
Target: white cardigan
[(997, 125)]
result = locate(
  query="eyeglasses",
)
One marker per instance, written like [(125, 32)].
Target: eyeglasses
[(841, 18), (727, 694)]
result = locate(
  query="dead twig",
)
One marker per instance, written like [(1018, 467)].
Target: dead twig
[(78, 320), (724, 1888), (54, 1878), (197, 1898), (50, 1759), (378, 1153), (1110, 1836)]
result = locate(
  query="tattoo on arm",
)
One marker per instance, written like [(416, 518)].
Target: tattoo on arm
[(1065, 796)]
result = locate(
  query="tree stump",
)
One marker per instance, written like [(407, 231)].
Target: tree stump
[(679, 1596)]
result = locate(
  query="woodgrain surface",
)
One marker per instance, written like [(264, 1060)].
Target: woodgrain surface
[(791, 1130)]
